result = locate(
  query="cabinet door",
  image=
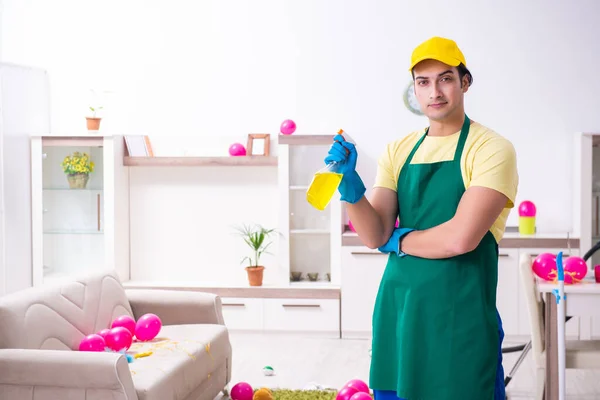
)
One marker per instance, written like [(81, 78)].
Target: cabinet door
[(317, 316), (68, 214), (507, 294), (243, 313), (362, 270)]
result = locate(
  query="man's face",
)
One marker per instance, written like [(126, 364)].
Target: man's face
[(438, 89)]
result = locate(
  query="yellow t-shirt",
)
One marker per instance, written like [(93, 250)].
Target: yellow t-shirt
[(488, 160)]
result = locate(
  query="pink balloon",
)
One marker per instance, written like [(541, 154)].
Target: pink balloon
[(119, 339), (126, 322), (103, 333), (288, 127), (361, 396), (346, 393), (237, 149), (527, 209), (93, 342), (147, 327), (544, 266), (575, 269), (359, 385), (241, 391)]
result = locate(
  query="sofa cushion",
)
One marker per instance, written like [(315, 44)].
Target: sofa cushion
[(182, 357), (57, 316)]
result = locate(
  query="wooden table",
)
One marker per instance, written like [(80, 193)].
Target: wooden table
[(582, 300)]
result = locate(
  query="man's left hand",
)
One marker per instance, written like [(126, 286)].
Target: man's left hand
[(393, 243)]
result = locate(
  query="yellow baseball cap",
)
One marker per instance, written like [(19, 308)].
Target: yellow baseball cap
[(438, 48)]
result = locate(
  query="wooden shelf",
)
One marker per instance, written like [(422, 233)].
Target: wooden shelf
[(305, 139), (199, 161)]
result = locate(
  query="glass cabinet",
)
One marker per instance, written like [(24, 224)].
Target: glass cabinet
[(312, 237), (73, 199)]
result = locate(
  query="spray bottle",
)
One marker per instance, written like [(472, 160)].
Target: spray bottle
[(324, 183)]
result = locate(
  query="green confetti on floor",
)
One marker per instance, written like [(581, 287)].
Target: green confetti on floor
[(284, 394)]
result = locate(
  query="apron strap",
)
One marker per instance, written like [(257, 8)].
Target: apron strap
[(464, 132)]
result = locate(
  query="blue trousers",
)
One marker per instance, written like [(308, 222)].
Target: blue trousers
[(499, 390)]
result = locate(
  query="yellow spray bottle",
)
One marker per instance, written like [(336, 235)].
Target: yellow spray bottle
[(324, 184)]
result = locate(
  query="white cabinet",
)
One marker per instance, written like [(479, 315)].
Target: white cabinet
[(508, 291), (243, 313), (361, 274), (320, 317), (79, 216), (310, 241), (363, 268)]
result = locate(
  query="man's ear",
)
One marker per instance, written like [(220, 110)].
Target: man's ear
[(465, 83)]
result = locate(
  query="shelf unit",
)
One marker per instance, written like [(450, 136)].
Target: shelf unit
[(78, 229), (311, 239), (246, 161)]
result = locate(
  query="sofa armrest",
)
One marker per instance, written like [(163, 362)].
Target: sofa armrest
[(176, 307), (64, 374)]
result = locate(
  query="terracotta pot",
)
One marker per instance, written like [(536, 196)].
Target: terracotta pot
[(93, 124), (255, 275)]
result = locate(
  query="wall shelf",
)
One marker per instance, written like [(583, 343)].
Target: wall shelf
[(257, 161)]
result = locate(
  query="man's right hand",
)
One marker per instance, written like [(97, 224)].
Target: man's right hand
[(351, 188)]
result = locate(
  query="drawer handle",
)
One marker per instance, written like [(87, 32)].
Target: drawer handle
[(234, 304), (565, 255), (503, 255), (301, 305), (369, 253)]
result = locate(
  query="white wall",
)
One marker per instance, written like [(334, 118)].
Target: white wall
[(230, 68)]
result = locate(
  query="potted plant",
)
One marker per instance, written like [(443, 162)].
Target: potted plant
[(256, 238), (93, 122), (78, 167)]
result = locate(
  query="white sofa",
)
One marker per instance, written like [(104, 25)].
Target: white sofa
[(41, 328)]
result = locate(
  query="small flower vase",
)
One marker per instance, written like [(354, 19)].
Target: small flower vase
[(78, 181)]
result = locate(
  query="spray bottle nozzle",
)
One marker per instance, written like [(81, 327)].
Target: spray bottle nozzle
[(341, 133)]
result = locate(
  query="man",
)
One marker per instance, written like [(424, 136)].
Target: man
[(436, 332)]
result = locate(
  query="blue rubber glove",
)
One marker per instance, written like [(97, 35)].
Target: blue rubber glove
[(393, 243), (351, 188)]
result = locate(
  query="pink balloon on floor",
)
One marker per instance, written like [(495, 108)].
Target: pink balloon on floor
[(544, 266), (346, 393), (288, 127), (361, 396), (147, 327), (575, 269), (237, 149), (241, 391), (126, 322), (119, 339), (93, 342), (359, 385)]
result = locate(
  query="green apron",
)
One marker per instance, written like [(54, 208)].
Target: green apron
[(435, 326)]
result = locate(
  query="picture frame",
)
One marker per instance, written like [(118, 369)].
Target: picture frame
[(258, 144)]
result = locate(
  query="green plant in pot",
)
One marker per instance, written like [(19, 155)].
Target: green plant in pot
[(256, 237), (78, 167)]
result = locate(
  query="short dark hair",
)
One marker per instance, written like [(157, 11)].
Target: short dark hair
[(462, 71)]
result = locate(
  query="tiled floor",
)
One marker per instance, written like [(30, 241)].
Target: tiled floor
[(304, 362)]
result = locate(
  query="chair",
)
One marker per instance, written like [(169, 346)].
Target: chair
[(580, 354)]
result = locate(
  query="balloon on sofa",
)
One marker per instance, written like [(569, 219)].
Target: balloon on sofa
[(147, 327)]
